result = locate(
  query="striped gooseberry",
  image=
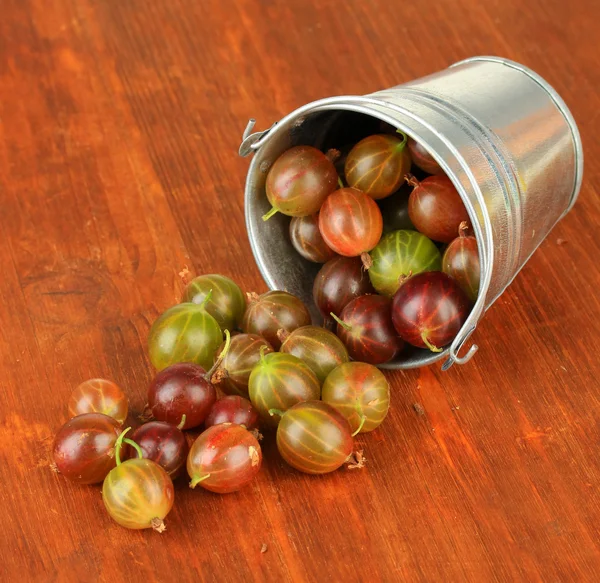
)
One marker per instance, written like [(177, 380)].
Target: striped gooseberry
[(226, 303), (137, 493), (274, 311), (360, 392), (184, 333), (99, 396), (350, 222), (182, 393), (318, 348), (435, 207), (429, 309), (399, 254), (340, 280), (377, 164), (365, 327), (280, 381), (314, 437), (299, 181), (422, 158), (461, 262), (224, 458), (233, 373)]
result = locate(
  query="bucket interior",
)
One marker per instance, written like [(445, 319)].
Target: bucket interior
[(280, 264)]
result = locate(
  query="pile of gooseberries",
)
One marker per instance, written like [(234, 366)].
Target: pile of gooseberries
[(399, 268)]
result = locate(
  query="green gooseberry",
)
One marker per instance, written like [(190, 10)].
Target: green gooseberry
[(400, 254)]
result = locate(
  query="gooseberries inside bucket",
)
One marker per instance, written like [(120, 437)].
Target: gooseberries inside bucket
[(332, 131)]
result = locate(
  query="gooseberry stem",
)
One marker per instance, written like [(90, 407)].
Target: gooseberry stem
[(135, 446), (276, 412), (367, 260), (268, 215), (410, 179), (340, 322), (195, 481), (404, 141), (340, 183), (262, 351), (462, 229), (282, 335), (119, 444), (182, 422), (220, 358), (206, 299), (363, 418), (429, 345)]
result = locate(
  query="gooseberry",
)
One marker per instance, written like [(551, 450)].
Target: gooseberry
[(232, 409), (99, 396), (429, 309), (350, 222), (226, 303), (184, 333), (314, 437), (360, 392), (84, 447), (274, 311), (397, 255), (340, 280), (422, 158), (365, 327), (162, 443), (299, 181), (308, 241), (461, 262), (435, 207), (377, 164), (318, 348), (234, 372), (224, 458), (138, 493), (280, 381)]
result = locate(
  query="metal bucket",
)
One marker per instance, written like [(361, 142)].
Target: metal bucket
[(502, 135)]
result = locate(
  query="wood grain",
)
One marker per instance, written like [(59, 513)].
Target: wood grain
[(119, 126)]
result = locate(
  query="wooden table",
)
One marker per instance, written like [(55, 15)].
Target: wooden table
[(119, 127)]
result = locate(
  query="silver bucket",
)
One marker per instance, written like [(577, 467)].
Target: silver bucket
[(502, 135)]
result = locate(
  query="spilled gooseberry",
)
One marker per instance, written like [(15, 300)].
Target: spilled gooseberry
[(224, 458), (234, 371), (184, 333), (226, 303), (232, 409), (274, 311), (318, 348), (280, 381), (99, 396), (84, 447), (314, 437), (162, 443), (138, 493), (360, 392)]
